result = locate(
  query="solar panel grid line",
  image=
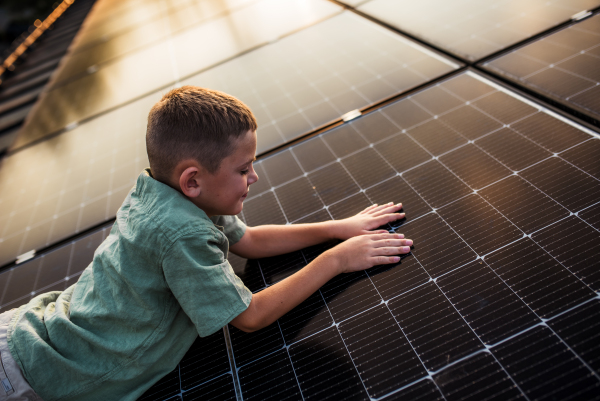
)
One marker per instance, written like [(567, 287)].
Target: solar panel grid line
[(232, 365)]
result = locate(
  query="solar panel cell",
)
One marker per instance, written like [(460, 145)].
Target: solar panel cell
[(298, 199), (349, 294), (424, 390), (250, 346), (544, 368), (511, 149), (436, 185), (396, 279), (564, 183), (537, 278), (436, 137), (324, 368), (206, 359), (333, 183), (479, 224), (525, 206), (166, 387), (247, 270), (367, 168), (490, 308), (349, 206), (503, 107), (585, 156), (443, 337), (474, 166), (219, 389), (478, 378), (402, 152), (398, 191), (579, 328), (270, 378), (470, 122), (592, 216), (263, 209), (308, 318), (381, 353), (576, 246)]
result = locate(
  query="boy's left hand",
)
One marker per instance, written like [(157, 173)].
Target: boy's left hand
[(372, 217)]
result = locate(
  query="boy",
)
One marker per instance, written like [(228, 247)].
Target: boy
[(162, 277)]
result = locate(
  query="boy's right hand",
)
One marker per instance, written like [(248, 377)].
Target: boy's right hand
[(365, 251)]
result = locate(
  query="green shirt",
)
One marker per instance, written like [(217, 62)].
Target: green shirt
[(158, 280)]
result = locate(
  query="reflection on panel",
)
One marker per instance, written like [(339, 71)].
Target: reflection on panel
[(564, 65), (316, 75), (473, 29), (166, 62), (128, 38)]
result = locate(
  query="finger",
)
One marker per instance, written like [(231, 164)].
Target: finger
[(386, 209), (384, 260), (391, 250), (374, 208), (369, 208), (386, 235), (388, 218), (392, 243)]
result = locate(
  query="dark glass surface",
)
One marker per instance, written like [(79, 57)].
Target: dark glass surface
[(479, 224), (474, 166), (473, 29), (406, 113), (488, 306), (424, 390), (349, 294), (298, 199), (349, 206), (368, 168), (344, 140), (437, 100), (395, 279), (324, 368), (436, 137), (526, 207), (585, 156), (270, 379), (402, 152), (545, 368), (250, 346), (436, 246), (206, 359), (276, 268), (576, 246), (166, 387), (281, 168), (332, 183), (564, 183), (398, 191), (470, 122), (436, 185), (248, 270), (375, 126), (537, 278), (382, 354), (440, 338), (313, 154), (263, 209), (591, 215), (579, 329), (563, 65), (305, 319), (511, 149), (503, 107), (550, 133), (219, 389), (480, 377)]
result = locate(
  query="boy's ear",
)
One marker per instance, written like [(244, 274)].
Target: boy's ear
[(190, 183)]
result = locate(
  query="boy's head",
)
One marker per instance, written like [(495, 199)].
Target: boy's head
[(196, 140)]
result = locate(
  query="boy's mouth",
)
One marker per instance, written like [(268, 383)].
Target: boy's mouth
[(244, 196)]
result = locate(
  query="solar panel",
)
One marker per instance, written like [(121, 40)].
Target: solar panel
[(498, 298), (291, 97), (473, 29), (128, 78), (563, 66)]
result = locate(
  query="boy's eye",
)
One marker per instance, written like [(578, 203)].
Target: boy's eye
[(244, 172)]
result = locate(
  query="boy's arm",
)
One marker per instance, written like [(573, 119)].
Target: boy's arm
[(355, 254), (271, 240)]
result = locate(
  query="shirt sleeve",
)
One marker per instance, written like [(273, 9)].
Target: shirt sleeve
[(204, 283), (233, 227)]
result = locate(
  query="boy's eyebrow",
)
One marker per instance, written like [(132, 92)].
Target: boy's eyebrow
[(249, 161)]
